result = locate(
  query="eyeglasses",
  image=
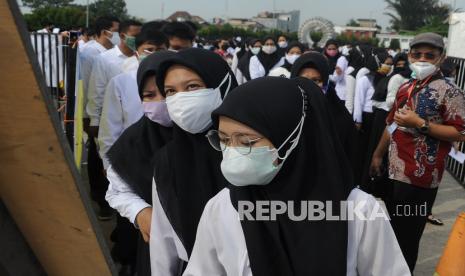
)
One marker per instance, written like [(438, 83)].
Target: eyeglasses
[(241, 142), (426, 55)]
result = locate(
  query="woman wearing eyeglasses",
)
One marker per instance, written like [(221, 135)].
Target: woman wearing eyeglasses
[(187, 174), (279, 146)]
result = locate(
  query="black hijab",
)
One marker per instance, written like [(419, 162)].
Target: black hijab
[(345, 126), (448, 66), (313, 60), (244, 62), (187, 169), (374, 62), (293, 44), (315, 170), (355, 59), (381, 88), (404, 71), (332, 60), (269, 61), (131, 156)]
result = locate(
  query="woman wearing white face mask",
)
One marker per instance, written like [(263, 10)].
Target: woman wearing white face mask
[(187, 170), (379, 64), (279, 145), (292, 53), (266, 60), (242, 72), (131, 159)]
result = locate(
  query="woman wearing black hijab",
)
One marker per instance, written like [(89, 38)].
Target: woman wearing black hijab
[(315, 66), (331, 51), (131, 158), (355, 59), (265, 61), (187, 172), (242, 72), (381, 108), (292, 53), (278, 146), (379, 65)]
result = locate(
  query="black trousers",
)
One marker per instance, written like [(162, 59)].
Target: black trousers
[(408, 208), (364, 136), (97, 180), (124, 237)]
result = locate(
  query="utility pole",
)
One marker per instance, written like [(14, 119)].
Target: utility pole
[(87, 14), (162, 10)]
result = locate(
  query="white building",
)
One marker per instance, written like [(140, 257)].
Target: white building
[(283, 21), (385, 40)]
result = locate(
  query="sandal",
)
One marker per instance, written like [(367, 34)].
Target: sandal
[(435, 221)]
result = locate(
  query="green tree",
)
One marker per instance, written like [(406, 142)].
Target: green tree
[(37, 4), (227, 31), (109, 7), (394, 44), (316, 37), (353, 23), (64, 17), (411, 15)]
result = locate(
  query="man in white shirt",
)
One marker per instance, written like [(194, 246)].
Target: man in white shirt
[(122, 106), (104, 28), (180, 35), (106, 66)]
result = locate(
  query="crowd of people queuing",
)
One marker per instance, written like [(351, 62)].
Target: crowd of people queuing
[(182, 130)]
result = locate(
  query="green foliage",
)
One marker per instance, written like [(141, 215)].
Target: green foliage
[(316, 37), (350, 39), (38, 4), (109, 7), (64, 17), (394, 44), (414, 15), (228, 31), (353, 23)]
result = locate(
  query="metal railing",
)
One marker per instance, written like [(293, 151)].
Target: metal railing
[(57, 61), (453, 166)]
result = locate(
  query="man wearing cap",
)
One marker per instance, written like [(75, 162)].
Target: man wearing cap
[(427, 116)]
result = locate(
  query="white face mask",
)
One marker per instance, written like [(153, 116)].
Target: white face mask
[(256, 168), (192, 110), (421, 70), (268, 49), (115, 39), (292, 58), (282, 44), (259, 166), (255, 50)]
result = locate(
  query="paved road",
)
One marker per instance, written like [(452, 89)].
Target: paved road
[(450, 202)]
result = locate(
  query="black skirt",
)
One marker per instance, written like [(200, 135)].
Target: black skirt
[(377, 185)]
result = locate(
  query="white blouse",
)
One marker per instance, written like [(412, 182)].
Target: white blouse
[(364, 91), (257, 70), (166, 249), (220, 247)]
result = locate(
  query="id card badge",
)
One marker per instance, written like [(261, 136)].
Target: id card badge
[(457, 155), (392, 127)]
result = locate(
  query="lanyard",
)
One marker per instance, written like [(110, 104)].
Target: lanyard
[(412, 88)]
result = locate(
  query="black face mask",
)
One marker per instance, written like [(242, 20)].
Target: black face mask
[(224, 47)]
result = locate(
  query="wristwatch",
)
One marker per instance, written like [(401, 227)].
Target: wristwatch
[(424, 129)]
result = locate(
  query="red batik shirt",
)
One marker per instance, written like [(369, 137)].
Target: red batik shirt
[(419, 159)]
